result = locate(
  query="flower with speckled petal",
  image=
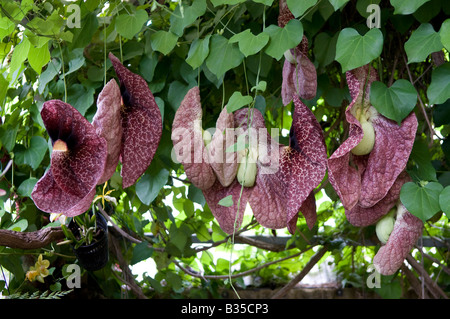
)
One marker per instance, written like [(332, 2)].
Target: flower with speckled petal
[(363, 181), (407, 230), (284, 176), (368, 179), (299, 73), (141, 123), (77, 161)]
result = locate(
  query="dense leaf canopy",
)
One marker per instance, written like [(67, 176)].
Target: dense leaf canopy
[(164, 238)]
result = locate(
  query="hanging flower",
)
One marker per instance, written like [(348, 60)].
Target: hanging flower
[(77, 161), (299, 73), (39, 271), (368, 163), (277, 181), (108, 124), (406, 230), (129, 119), (368, 169)]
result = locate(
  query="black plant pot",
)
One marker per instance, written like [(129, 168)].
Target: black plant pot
[(94, 256)]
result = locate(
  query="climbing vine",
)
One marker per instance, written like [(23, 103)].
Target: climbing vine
[(389, 59)]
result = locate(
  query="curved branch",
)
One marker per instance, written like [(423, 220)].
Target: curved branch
[(431, 285), (314, 260), (194, 273), (30, 240)]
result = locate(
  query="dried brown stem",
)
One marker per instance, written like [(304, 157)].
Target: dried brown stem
[(127, 276), (432, 287), (30, 240), (414, 282)]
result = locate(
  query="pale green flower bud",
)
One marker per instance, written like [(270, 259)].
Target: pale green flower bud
[(206, 137), (247, 170), (368, 141), (385, 226)]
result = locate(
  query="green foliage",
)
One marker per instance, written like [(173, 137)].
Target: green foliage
[(396, 102), (354, 50), (283, 39), (421, 201), (234, 51), (423, 41)]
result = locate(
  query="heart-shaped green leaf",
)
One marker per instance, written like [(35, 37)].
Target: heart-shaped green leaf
[(127, 25), (26, 187), (439, 90), (198, 52), (283, 39), (237, 100), (354, 50), (395, 102), (444, 201), (184, 16), (421, 201), (407, 7), (423, 41), (141, 252), (163, 41), (337, 4), (249, 43), (226, 201), (223, 55), (38, 57), (298, 8), (32, 155), (444, 34), (149, 185)]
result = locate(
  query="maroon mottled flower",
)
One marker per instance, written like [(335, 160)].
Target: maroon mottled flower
[(299, 73), (362, 173), (141, 123), (77, 161), (407, 230), (107, 122), (278, 180), (368, 171)]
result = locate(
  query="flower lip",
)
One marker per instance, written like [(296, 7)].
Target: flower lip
[(126, 97), (60, 146), (77, 161)]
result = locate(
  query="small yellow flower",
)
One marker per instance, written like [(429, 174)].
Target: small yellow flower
[(31, 274), (39, 271), (105, 196)]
